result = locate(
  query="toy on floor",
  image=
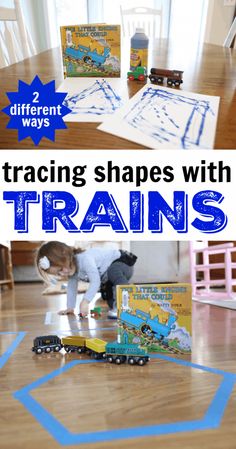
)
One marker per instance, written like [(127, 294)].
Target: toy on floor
[(140, 73), (83, 315), (98, 349), (174, 77), (122, 352), (47, 343), (96, 312)]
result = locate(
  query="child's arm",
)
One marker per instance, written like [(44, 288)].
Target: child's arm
[(94, 279), (72, 288), (84, 307), (93, 275)]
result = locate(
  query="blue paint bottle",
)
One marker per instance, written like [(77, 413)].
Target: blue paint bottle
[(139, 49)]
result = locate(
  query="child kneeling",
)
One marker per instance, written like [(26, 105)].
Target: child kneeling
[(96, 266)]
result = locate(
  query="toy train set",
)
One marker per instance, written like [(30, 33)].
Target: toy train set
[(140, 73), (113, 352), (174, 77), (157, 76)]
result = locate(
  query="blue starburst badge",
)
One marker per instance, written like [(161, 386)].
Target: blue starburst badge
[(36, 110)]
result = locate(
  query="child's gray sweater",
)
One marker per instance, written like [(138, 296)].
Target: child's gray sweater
[(91, 265)]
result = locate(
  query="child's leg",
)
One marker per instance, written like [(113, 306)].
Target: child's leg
[(119, 274), (107, 293)]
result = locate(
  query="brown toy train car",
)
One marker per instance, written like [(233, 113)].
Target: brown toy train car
[(174, 77)]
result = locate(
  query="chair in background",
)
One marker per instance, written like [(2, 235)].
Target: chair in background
[(141, 17), (231, 35), (15, 42), (202, 277), (6, 273)]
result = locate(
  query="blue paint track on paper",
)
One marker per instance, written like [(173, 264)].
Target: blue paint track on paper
[(104, 100), (211, 419), (170, 117)]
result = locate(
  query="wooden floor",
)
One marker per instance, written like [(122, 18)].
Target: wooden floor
[(94, 397)]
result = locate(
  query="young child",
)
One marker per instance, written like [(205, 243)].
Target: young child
[(95, 265)]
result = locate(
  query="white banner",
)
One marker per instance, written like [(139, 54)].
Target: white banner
[(118, 195)]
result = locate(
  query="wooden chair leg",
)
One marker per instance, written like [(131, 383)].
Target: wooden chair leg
[(7, 279)]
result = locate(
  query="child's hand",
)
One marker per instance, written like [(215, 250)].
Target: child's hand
[(84, 307), (66, 312)]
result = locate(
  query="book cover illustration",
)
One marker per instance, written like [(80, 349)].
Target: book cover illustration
[(156, 315), (91, 50)]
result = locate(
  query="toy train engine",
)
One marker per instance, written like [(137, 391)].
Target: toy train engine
[(147, 325), (120, 353), (47, 344), (174, 77), (140, 73)]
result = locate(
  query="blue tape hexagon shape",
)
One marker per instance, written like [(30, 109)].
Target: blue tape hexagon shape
[(63, 436), (12, 347)]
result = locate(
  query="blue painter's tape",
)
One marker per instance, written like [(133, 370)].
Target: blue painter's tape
[(218, 405), (210, 420), (52, 425), (37, 383), (5, 356), (190, 364)]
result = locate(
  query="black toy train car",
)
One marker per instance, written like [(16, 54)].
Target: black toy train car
[(47, 343), (174, 77)]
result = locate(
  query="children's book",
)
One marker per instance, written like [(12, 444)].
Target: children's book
[(156, 315), (91, 50)]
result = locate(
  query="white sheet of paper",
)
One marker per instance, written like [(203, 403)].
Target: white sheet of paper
[(163, 118), (93, 99)]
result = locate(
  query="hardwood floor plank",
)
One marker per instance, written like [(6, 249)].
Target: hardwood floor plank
[(90, 398)]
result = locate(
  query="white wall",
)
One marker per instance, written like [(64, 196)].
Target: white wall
[(187, 21), (219, 20), (7, 3), (160, 262)]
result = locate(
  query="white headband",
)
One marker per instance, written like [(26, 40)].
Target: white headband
[(44, 263)]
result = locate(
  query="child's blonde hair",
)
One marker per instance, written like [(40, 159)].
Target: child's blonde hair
[(57, 254)]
